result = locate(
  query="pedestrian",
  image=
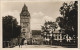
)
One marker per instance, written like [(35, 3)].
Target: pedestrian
[(19, 43)]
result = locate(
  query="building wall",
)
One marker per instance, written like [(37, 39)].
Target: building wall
[(37, 40), (25, 22)]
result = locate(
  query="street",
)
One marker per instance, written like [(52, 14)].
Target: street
[(39, 46)]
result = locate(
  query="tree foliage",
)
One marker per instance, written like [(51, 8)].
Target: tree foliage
[(69, 20), (49, 25), (11, 29)]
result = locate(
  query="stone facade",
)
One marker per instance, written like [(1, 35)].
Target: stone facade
[(52, 36), (25, 22), (36, 37)]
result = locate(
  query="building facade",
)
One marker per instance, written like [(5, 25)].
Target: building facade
[(25, 22), (36, 37), (52, 36)]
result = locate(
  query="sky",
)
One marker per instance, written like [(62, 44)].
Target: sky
[(39, 11)]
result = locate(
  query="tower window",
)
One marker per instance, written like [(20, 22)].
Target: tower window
[(24, 23), (24, 34), (23, 29)]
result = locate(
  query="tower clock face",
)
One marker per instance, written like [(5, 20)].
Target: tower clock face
[(24, 13)]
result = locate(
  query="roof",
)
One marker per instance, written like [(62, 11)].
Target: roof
[(24, 7), (25, 11), (36, 32)]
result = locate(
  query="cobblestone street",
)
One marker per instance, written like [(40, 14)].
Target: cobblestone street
[(39, 46)]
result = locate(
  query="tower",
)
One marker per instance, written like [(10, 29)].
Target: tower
[(25, 22)]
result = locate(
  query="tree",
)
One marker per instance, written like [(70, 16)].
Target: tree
[(51, 25), (69, 19), (10, 28), (54, 25)]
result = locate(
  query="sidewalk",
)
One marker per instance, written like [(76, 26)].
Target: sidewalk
[(39, 46)]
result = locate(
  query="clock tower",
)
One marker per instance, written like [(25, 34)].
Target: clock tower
[(25, 22)]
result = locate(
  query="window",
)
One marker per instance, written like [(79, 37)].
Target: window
[(55, 37), (24, 34), (59, 37), (23, 29), (68, 37)]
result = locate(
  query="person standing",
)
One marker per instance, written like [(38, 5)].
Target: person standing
[(19, 42)]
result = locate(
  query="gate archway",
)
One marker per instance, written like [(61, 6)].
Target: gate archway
[(22, 41)]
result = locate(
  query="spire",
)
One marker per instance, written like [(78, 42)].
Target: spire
[(25, 11), (24, 7)]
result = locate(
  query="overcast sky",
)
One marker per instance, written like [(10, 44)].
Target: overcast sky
[(39, 11)]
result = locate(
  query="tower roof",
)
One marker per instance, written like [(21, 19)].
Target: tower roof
[(24, 7), (25, 11)]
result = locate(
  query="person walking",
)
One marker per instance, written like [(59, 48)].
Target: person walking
[(19, 45), (19, 42)]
